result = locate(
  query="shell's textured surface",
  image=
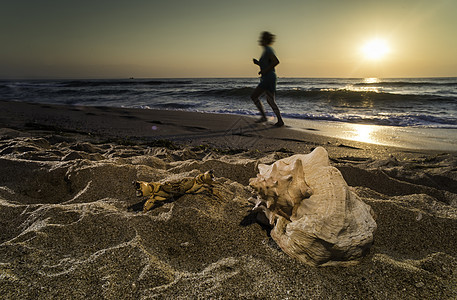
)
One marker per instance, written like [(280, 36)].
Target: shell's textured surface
[(316, 218)]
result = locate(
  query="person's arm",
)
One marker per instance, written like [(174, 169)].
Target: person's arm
[(274, 61)]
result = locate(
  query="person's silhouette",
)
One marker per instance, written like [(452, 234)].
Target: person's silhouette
[(267, 63)]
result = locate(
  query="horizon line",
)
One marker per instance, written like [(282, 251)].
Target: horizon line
[(211, 77)]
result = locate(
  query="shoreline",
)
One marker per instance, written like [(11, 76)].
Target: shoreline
[(437, 139), (219, 130)]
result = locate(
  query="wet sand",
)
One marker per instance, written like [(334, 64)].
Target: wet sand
[(70, 228)]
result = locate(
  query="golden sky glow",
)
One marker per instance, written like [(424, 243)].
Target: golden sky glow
[(211, 38)]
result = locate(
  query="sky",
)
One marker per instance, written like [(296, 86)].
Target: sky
[(212, 38)]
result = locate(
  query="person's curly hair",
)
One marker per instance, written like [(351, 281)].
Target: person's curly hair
[(268, 37)]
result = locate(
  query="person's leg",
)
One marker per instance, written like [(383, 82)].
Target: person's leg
[(271, 101), (255, 96)]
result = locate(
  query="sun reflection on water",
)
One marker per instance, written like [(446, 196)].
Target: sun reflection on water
[(367, 85), (363, 133), (371, 80)]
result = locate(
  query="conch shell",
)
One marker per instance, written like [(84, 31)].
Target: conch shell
[(316, 218)]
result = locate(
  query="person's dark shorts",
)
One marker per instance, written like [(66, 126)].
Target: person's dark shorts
[(268, 82)]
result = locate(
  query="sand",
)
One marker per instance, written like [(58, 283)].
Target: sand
[(71, 228)]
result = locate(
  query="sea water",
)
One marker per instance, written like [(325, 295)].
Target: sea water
[(402, 102)]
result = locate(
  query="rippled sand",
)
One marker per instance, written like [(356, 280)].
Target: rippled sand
[(71, 227)]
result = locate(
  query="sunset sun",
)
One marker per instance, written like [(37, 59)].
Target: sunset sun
[(375, 49)]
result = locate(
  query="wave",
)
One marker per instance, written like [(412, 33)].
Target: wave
[(412, 120), (314, 99), (227, 92), (247, 91), (323, 94), (175, 106), (104, 92), (407, 83), (90, 83)]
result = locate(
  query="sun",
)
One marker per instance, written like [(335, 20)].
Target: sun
[(375, 49)]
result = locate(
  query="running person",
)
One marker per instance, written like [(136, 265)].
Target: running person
[(267, 63)]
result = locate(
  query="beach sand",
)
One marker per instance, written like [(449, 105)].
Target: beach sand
[(71, 230)]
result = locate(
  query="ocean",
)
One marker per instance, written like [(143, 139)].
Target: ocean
[(402, 102)]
